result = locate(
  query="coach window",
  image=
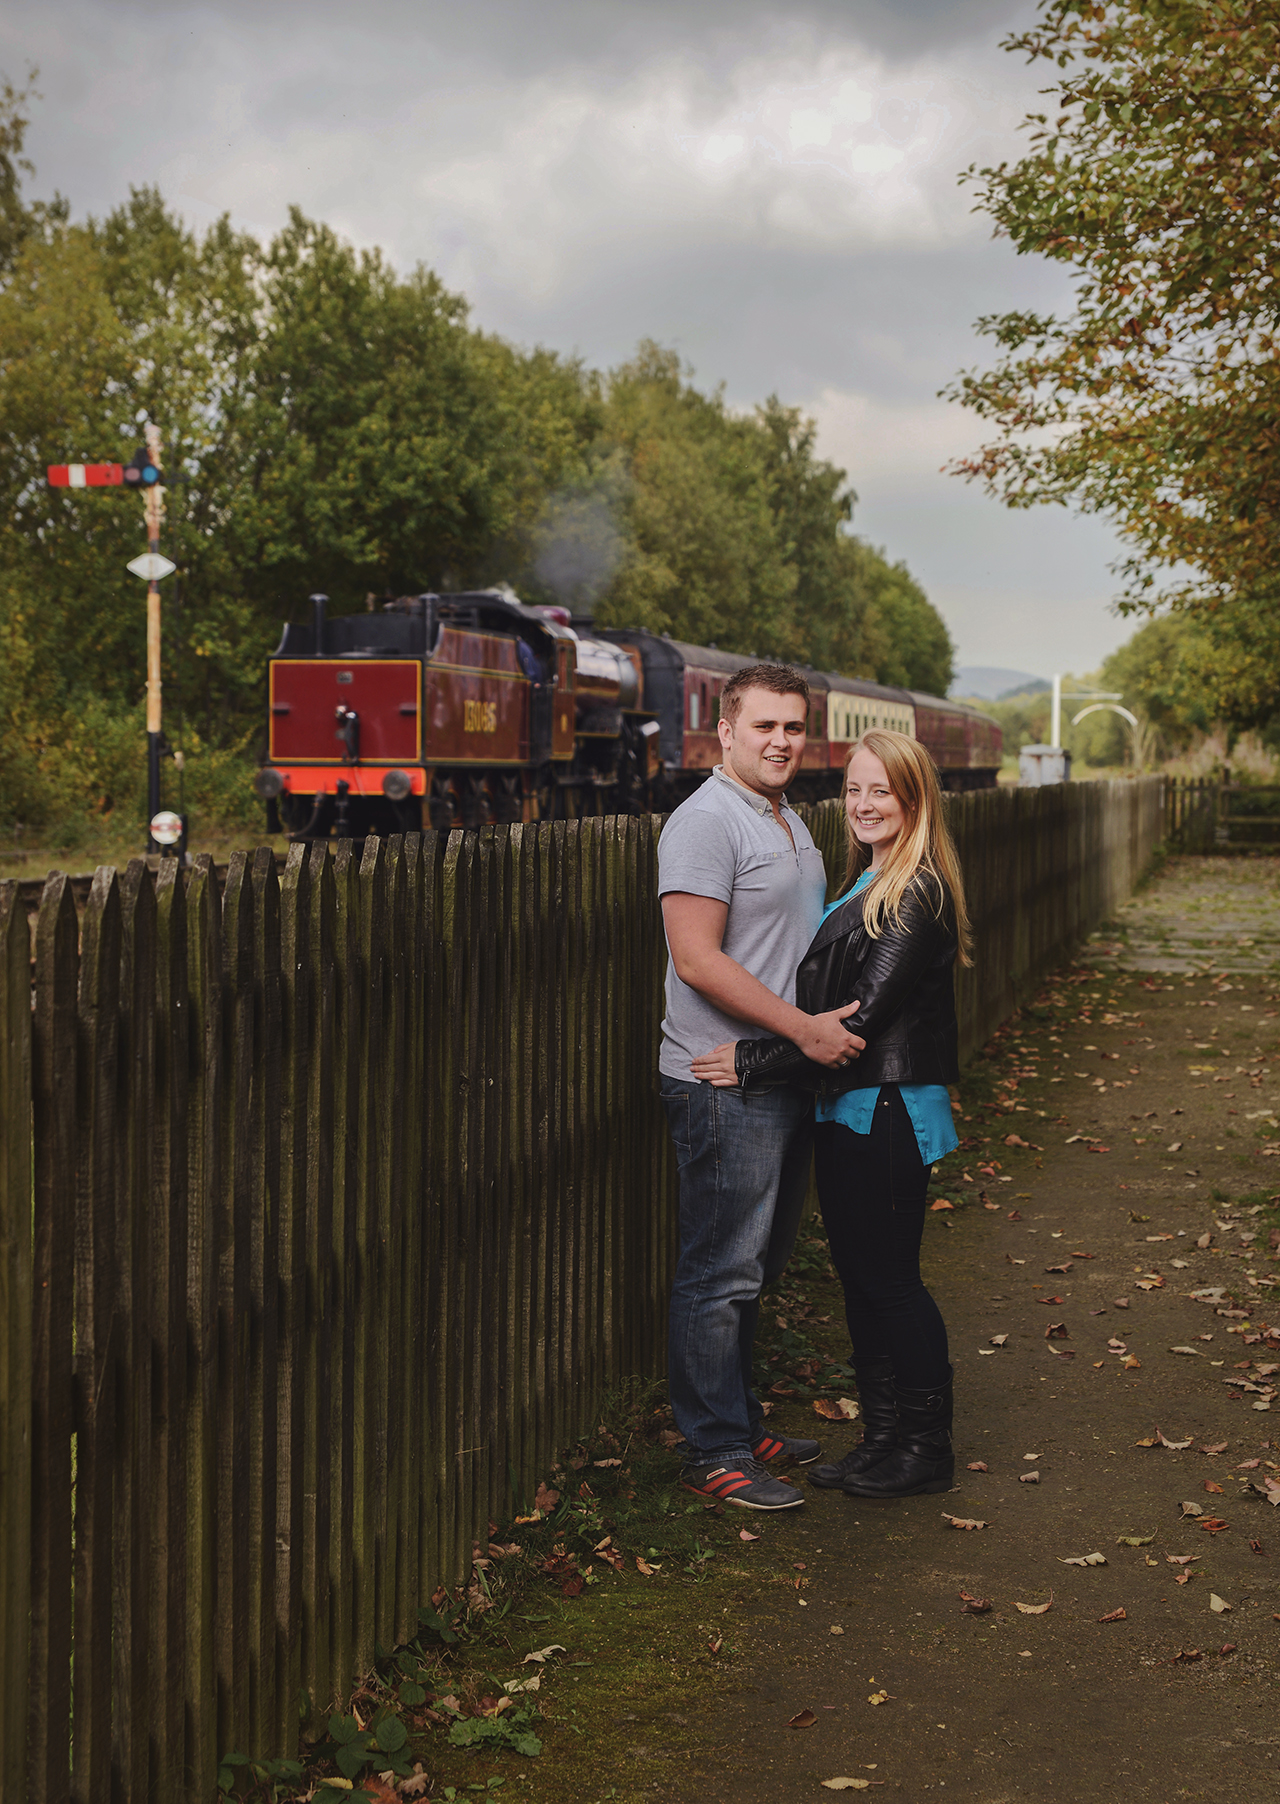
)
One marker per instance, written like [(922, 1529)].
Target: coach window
[(693, 710)]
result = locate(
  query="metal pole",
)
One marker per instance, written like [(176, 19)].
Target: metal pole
[(154, 505), (1056, 739)]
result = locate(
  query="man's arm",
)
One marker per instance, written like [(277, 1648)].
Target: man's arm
[(695, 934)]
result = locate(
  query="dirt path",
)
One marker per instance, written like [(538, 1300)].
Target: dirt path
[(1147, 1084)]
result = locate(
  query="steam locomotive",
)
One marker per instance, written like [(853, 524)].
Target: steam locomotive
[(455, 710)]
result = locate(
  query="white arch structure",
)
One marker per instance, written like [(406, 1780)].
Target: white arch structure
[(1113, 707)]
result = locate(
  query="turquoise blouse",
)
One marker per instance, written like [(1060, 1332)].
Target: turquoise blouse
[(928, 1105)]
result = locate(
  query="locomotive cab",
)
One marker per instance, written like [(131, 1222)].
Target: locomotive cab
[(438, 710)]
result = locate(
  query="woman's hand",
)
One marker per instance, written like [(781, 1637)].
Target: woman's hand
[(717, 1067)]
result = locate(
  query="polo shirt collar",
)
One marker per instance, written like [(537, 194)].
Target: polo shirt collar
[(759, 803)]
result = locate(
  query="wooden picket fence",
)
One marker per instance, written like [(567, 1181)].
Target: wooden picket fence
[(330, 1205)]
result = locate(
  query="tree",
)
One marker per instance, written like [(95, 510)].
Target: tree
[(1158, 400)]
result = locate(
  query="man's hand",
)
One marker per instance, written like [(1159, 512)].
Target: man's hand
[(826, 1040), (718, 1067)]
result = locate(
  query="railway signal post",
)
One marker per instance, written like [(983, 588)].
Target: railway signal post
[(143, 472)]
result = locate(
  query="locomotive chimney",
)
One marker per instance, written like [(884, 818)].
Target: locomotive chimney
[(318, 604)]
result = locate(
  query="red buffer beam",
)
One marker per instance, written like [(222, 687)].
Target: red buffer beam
[(86, 476)]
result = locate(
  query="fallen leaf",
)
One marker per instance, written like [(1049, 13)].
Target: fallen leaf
[(1193, 1351), (1192, 1509), (1120, 1302), (1149, 1441), (835, 1629), (1203, 1241), (878, 1697), (998, 1340), (716, 1642), (803, 1719), (1248, 1465), (843, 1784), (606, 1462), (1218, 1605), (1028, 1478), (1016, 1215), (1188, 1654), (1227, 1649), (1216, 1489), (1213, 1525), (962, 1521), (415, 1786), (1057, 1268), (1217, 1447), (545, 1499), (1183, 1578), (1131, 1362), (1113, 1616), (942, 1203), (976, 1606), (1182, 1559), (1086, 1559), (1174, 1446), (1034, 1609), (1134, 1540), (1055, 1330), (543, 1654), (647, 1571), (977, 1465), (1257, 1547), (1049, 1300), (843, 1409), (1017, 1140)]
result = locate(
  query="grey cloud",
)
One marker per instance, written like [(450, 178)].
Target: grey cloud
[(551, 161)]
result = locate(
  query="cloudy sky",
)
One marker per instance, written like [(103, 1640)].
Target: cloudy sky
[(771, 190)]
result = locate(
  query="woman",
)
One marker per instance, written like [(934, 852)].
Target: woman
[(888, 945)]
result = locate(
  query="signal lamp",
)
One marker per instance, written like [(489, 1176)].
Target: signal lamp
[(268, 783), (140, 471), (396, 785)]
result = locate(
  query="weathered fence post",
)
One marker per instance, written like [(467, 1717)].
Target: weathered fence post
[(168, 1230), (54, 1069), (15, 1340)]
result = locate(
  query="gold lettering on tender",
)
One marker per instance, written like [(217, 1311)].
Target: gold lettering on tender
[(479, 717)]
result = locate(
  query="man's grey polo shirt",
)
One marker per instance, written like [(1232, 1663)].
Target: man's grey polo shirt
[(725, 843)]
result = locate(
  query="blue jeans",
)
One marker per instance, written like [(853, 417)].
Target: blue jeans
[(744, 1169)]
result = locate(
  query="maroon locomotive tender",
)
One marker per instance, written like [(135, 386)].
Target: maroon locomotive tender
[(454, 710)]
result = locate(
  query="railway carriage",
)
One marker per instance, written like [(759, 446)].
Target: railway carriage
[(443, 710)]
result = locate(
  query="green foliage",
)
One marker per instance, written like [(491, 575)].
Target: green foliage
[(381, 1747), (1158, 400), (331, 424), (268, 1780), (487, 1734)]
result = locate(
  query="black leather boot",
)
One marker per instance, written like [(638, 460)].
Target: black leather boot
[(879, 1426), (922, 1462)]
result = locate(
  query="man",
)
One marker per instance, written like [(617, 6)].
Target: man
[(742, 887)]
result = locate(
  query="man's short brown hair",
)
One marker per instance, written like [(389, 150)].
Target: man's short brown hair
[(778, 679)]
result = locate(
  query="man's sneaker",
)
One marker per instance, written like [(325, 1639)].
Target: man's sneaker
[(746, 1484), (790, 1452)]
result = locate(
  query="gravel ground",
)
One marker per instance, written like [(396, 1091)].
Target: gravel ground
[(1141, 1084)]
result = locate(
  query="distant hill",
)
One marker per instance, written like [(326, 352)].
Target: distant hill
[(984, 682)]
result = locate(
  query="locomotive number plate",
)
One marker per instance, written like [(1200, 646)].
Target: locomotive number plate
[(479, 717)]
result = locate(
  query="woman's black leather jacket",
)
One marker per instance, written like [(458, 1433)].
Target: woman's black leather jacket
[(903, 984)]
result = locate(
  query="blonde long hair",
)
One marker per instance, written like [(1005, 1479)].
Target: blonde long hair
[(924, 844)]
